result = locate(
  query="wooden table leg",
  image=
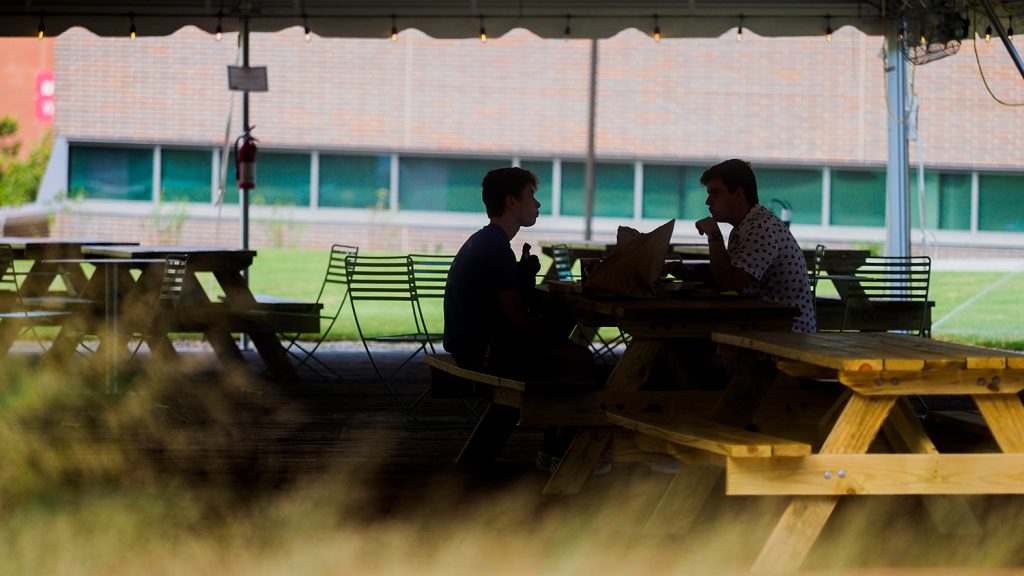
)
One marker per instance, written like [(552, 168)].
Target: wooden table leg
[(804, 518), (1004, 414), (632, 371), (489, 436), (273, 354), (689, 489), (950, 513)]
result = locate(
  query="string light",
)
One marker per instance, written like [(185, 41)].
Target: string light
[(131, 29), (394, 29), (483, 31), (739, 31), (657, 29), (828, 29), (42, 27), (988, 34), (308, 31), (568, 25), (220, 28)]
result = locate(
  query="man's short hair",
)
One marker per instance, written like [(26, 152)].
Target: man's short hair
[(503, 182), (734, 174)]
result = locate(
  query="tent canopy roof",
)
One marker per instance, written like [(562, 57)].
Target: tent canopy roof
[(444, 18)]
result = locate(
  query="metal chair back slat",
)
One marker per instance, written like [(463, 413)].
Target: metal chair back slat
[(562, 261), (882, 280)]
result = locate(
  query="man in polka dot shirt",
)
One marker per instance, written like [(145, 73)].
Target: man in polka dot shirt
[(763, 258)]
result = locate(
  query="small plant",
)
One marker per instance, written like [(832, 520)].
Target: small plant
[(281, 227), (167, 226), (19, 180)]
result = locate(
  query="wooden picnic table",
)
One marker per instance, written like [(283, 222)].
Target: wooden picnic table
[(656, 326), (238, 312), (44, 252), (879, 371)]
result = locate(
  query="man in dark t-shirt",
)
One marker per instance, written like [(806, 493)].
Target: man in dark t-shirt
[(488, 324)]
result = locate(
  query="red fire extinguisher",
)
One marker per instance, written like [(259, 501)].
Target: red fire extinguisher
[(245, 160)]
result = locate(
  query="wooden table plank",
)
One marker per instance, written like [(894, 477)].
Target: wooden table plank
[(876, 474)]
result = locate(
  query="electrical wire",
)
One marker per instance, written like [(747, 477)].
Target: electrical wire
[(974, 38)]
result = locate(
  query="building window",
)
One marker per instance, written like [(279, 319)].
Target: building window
[(613, 189), (858, 198), (355, 181), (947, 201), (185, 175), (282, 179), (443, 184), (801, 189), (1001, 203), (111, 173), (673, 192), (544, 171)]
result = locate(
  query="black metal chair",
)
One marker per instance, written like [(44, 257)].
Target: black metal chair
[(886, 294)]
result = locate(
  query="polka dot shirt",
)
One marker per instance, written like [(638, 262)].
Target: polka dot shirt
[(763, 247)]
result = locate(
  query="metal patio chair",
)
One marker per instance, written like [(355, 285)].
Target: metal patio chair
[(334, 285), (386, 282), (602, 349), (886, 294)]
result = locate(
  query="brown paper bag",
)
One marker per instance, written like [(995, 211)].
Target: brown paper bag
[(633, 266)]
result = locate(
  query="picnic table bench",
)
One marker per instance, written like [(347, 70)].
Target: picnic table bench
[(543, 402), (879, 371)]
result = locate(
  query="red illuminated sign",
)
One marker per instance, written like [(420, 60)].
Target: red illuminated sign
[(46, 88)]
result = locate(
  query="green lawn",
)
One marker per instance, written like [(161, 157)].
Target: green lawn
[(996, 318)]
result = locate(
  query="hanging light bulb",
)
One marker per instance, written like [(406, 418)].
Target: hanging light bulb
[(900, 34), (924, 41), (1009, 30), (988, 34), (828, 29), (739, 30), (657, 29), (42, 27), (394, 29), (308, 32), (568, 25), (131, 29), (483, 31), (220, 28)]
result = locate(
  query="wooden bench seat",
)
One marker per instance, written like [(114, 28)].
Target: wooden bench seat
[(556, 402), (708, 436), (284, 316)]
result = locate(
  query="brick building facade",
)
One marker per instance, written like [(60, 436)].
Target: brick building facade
[(807, 108)]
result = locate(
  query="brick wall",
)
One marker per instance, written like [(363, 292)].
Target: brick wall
[(787, 100)]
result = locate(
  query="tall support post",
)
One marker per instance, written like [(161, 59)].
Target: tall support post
[(588, 176), (897, 188), (243, 194)]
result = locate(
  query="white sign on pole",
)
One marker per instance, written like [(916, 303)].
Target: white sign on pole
[(247, 78)]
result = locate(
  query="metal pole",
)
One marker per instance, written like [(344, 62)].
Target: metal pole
[(897, 226), (243, 194), (588, 176), (1002, 35)]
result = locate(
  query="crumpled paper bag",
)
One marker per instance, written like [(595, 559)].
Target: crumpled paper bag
[(633, 266)]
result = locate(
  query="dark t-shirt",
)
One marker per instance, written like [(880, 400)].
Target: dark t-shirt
[(472, 313)]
